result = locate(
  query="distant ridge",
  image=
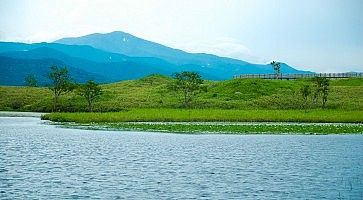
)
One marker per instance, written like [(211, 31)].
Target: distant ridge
[(102, 69), (14, 71), (127, 44), (116, 56)]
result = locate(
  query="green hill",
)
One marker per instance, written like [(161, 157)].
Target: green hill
[(153, 92)]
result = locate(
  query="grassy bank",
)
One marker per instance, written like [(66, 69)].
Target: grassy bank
[(152, 92), (211, 115), (240, 100)]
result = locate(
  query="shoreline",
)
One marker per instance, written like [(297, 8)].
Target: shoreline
[(207, 127), (21, 114)]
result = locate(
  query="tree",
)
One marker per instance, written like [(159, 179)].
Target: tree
[(60, 83), (90, 91), (188, 84), (31, 81), (277, 68), (321, 89), (325, 91), (305, 92)]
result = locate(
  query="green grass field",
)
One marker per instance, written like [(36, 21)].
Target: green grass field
[(211, 115), (240, 100), (152, 92)]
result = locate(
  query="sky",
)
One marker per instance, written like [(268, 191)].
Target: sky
[(316, 35)]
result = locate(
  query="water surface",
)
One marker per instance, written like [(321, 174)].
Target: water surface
[(39, 161)]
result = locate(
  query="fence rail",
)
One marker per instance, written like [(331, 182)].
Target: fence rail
[(295, 76)]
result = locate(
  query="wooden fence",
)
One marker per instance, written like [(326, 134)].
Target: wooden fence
[(295, 76)]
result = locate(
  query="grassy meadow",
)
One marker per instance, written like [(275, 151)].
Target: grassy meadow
[(152, 93), (127, 105), (210, 115)]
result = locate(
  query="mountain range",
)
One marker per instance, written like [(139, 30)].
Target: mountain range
[(113, 57)]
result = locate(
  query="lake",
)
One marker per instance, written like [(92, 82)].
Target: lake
[(41, 161)]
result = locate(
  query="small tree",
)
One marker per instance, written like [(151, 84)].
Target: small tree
[(60, 83), (321, 89), (325, 91), (188, 84), (277, 68), (305, 92), (31, 81), (90, 91), (315, 91)]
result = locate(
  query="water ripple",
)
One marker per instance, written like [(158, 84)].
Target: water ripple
[(39, 161)]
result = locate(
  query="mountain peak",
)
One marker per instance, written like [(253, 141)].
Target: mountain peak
[(99, 36), (117, 55), (116, 33), (124, 43)]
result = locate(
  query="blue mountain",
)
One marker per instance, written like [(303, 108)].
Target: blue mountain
[(14, 70), (129, 45), (113, 57), (104, 72)]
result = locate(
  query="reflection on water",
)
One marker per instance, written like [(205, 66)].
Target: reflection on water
[(43, 161)]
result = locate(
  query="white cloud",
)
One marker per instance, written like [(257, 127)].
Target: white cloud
[(226, 47), (312, 34)]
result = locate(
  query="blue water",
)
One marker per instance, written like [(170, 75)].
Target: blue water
[(39, 161)]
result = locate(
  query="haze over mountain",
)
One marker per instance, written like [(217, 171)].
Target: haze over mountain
[(127, 44), (113, 57)]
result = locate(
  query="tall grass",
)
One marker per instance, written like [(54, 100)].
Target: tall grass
[(210, 115)]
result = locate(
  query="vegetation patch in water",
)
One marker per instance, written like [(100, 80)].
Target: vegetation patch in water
[(200, 128)]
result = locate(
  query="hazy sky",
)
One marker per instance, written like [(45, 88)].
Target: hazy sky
[(319, 35)]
